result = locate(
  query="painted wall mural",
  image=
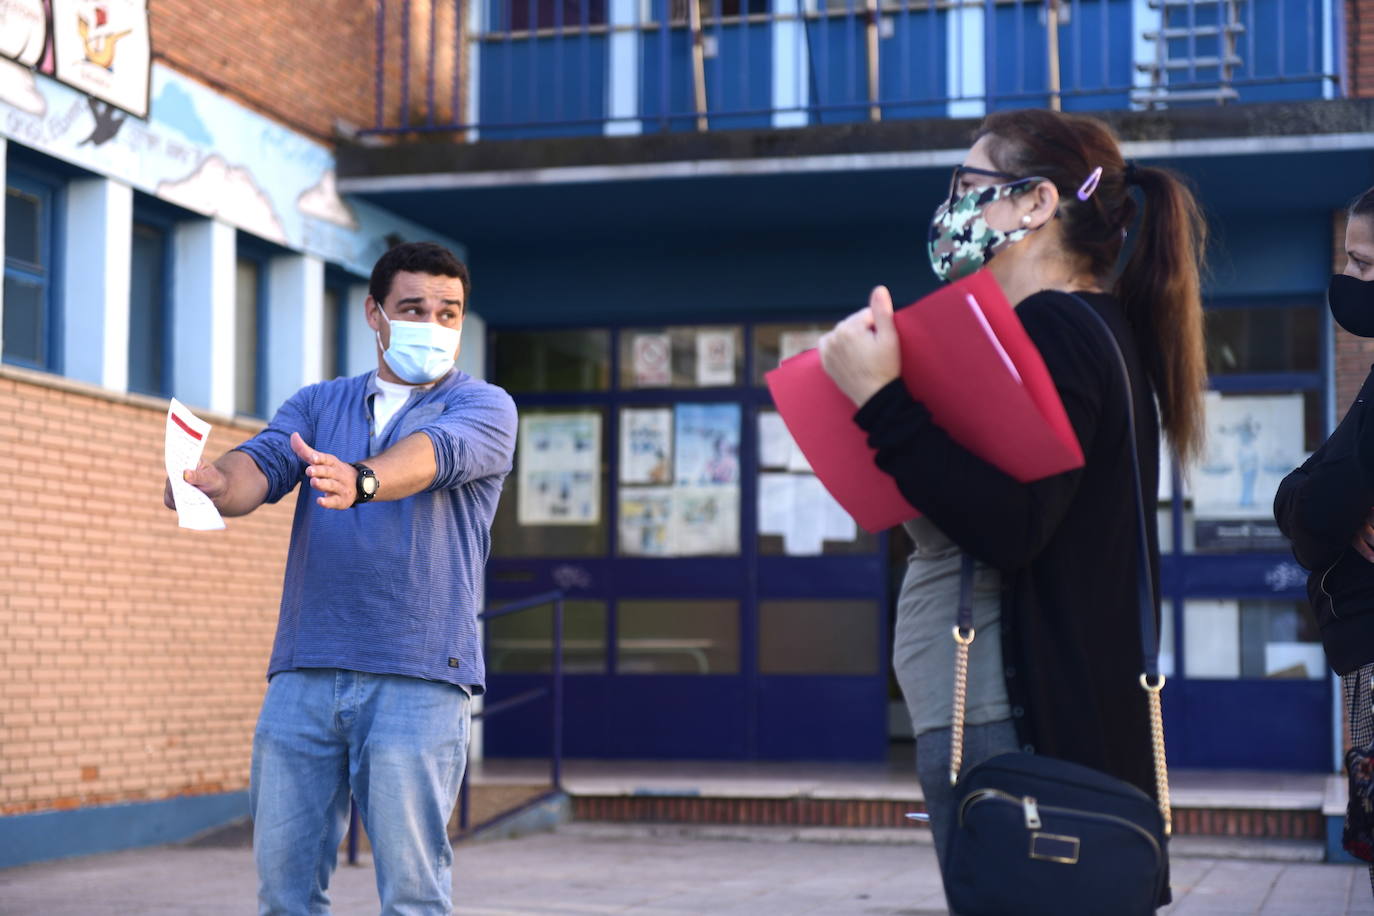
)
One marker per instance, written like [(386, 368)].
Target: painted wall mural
[(208, 154)]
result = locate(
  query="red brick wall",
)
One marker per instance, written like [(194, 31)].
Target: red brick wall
[(132, 653), (1359, 30), (310, 64), (304, 64)]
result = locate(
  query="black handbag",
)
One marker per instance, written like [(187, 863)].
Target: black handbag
[(1035, 835)]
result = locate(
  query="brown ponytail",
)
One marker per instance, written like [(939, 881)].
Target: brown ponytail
[(1160, 286)]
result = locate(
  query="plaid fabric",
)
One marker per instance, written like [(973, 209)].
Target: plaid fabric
[(1359, 706)]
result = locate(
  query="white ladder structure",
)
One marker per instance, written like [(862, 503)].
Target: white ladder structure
[(1195, 53)]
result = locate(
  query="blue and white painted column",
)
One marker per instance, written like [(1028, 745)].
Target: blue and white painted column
[(360, 341), (472, 356), (473, 46), (1333, 43), (791, 65), (96, 251), (203, 261), (294, 326), (1144, 18), (622, 78), (966, 63)]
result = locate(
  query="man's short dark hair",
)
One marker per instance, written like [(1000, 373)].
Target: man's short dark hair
[(418, 258)]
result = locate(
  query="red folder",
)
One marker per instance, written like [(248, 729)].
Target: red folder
[(966, 357)]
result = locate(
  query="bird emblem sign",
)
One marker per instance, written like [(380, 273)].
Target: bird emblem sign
[(102, 48)]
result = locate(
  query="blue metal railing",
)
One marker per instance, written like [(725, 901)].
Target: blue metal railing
[(554, 691), (519, 68)]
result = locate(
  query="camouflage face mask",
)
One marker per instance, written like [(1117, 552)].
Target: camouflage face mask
[(961, 241)]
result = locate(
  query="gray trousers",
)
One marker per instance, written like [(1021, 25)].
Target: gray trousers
[(981, 742)]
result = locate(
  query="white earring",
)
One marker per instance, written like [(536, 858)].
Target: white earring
[(1025, 220)]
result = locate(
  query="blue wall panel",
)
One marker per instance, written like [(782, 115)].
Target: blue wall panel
[(912, 66), (86, 831), (1095, 52), (538, 85), (739, 77)]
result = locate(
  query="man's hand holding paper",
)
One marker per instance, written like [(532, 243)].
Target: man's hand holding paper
[(192, 485)]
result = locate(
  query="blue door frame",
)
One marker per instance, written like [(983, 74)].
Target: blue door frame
[(743, 716), (1245, 723)]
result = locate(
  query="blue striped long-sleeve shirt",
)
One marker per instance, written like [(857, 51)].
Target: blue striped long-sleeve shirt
[(390, 587)]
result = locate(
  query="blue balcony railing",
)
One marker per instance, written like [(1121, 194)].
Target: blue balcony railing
[(523, 68)]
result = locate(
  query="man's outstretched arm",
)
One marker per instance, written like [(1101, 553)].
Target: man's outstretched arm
[(402, 470), (234, 483)]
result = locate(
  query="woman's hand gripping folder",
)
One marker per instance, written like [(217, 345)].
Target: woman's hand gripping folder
[(967, 358)]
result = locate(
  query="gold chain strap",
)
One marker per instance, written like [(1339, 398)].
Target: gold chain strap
[(956, 737), (1161, 763)]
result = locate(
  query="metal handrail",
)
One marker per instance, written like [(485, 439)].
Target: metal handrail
[(695, 91), (554, 690)]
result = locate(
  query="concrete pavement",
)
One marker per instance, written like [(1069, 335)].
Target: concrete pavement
[(585, 869)]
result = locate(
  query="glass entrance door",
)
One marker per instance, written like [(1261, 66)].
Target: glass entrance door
[(1249, 687), (721, 605)]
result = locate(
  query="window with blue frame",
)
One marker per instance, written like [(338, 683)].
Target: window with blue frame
[(250, 307), (150, 313), (30, 316), (335, 325), (1265, 414)]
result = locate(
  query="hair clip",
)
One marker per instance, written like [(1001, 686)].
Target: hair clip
[(1090, 185)]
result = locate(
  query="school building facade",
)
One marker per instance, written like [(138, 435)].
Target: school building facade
[(659, 201)]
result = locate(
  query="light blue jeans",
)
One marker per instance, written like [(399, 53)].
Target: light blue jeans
[(399, 743)]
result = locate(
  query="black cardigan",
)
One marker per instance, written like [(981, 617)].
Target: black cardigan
[(1066, 545), (1319, 507)]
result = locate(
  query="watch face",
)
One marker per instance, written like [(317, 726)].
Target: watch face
[(369, 484)]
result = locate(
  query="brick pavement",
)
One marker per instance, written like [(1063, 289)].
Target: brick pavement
[(593, 869)]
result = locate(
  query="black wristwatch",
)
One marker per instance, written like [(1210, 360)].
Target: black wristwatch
[(366, 484)]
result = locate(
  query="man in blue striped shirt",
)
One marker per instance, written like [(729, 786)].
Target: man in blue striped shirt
[(377, 650)]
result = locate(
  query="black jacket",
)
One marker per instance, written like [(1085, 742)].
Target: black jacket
[(1066, 545), (1320, 506)]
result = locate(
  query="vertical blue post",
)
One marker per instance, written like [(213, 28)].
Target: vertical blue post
[(971, 36), (791, 62), (429, 82), (455, 100), (1339, 49), (405, 63), (557, 764), (665, 51), (381, 70), (1281, 39), (532, 52)]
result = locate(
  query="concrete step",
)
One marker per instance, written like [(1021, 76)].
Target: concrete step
[(1187, 847), (1296, 807)]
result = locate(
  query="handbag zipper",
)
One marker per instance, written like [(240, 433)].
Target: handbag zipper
[(1031, 807)]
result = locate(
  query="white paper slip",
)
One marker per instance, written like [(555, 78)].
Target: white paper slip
[(186, 437)]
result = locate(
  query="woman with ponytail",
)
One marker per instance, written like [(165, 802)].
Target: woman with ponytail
[(1326, 508), (1046, 202)]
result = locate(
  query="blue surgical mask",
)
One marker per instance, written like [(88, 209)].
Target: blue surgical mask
[(421, 351)]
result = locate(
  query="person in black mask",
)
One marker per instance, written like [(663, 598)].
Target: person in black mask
[(1326, 507)]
